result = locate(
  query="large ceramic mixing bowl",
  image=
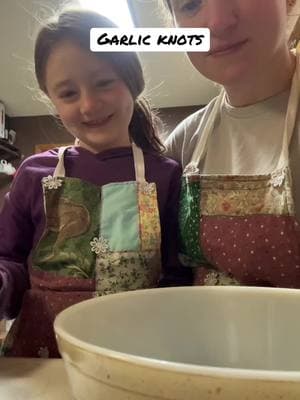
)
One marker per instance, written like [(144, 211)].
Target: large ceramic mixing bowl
[(196, 343)]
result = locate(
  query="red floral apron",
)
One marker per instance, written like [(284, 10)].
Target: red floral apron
[(241, 229)]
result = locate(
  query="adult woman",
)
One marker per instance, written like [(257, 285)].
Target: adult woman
[(241, 153)]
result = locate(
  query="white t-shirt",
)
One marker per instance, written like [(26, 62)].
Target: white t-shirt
[(245, 140)]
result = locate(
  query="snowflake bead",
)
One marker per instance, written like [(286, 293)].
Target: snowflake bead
[(43, 352), (191, 169), (215, 278), (277, 177), (99, 245), (51, 182)]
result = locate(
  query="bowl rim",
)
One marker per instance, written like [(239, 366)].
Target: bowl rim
[(177, 367)]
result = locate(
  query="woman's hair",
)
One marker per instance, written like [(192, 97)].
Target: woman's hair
[(75, 25)]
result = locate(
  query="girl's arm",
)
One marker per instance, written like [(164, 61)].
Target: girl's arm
[(16, 237)]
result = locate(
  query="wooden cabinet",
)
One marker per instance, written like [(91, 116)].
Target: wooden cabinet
[(39, 148)]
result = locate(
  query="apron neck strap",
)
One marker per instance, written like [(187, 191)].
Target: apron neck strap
[(291, 115), (60, 167), (210, 115), (139, 163), (138, 158)]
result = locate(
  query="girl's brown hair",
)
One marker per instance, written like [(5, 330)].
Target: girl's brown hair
[(75, 25)]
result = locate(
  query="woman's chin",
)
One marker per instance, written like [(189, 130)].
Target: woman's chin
[(224, 73), (229, 75)]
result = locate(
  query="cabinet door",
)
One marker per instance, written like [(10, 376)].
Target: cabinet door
[(39, 148)]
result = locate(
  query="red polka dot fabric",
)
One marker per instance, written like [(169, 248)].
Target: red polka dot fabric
[(32, 334), (255, 250)]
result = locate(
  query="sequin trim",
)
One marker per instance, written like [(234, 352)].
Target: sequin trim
[(99, 245), (51, 182)]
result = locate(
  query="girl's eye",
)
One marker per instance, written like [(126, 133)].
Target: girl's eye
[(190, 7), (105, 83), (68, 94)]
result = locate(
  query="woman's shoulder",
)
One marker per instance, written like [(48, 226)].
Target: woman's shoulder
[(191, 123), (184, 137)]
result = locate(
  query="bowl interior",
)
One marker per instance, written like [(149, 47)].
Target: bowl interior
[(251, 328)]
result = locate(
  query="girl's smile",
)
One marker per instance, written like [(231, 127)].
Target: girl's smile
[(98, 123), (93, 103)]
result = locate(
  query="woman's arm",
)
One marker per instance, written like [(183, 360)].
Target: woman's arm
[(173, 273)]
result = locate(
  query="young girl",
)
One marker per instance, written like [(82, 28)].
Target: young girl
[(240, 203), (92, 219)]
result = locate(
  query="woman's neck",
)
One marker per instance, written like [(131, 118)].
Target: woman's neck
[(263, 85)]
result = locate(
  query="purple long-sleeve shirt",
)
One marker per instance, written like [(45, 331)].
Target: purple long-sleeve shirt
[(22, 219)]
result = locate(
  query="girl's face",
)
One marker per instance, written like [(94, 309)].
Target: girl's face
[(246, 35), (93, 103)]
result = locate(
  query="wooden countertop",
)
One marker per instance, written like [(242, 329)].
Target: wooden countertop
[(33, 379)]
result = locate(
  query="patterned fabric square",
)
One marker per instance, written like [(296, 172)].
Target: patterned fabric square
[(189, 217), (72, 220), (122, 271), (246, 195), (149, 217)]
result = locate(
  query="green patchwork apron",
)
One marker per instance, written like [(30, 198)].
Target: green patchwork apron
[(97, 240)]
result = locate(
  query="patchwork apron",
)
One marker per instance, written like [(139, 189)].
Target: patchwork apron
[(97, 240), (241, 229)]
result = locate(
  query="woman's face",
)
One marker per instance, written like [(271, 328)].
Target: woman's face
[(246, 35), (93, 103)]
